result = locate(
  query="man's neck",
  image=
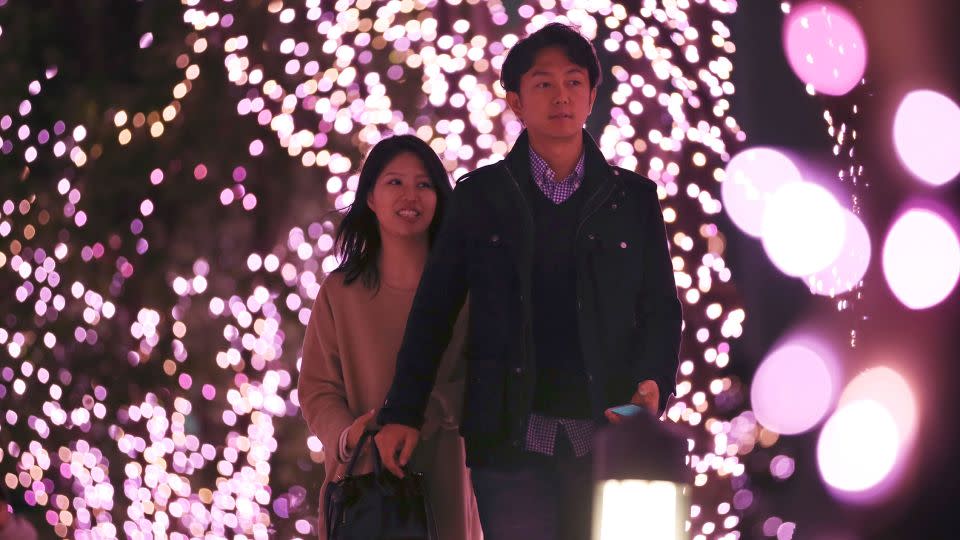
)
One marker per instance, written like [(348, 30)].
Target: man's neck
[(560, 154)]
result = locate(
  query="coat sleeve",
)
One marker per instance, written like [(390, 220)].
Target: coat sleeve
[(439, 298), (659, 307), (321, 389)]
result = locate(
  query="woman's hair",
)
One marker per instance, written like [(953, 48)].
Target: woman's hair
[(523, 54), (358, 241)]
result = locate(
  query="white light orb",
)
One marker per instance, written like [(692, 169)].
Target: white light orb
[(804, 229), (921, 259)]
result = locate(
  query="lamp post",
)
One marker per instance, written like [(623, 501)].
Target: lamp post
[(641, 481)]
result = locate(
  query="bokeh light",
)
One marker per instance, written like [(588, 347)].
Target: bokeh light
[(921, 258), (926, 135), (750, 179), (793, 388), (858, 446), (847, 271), (804, 229), (825, 47), (888, 388), (229, 192)]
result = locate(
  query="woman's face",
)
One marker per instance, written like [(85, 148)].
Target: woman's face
[(403, 198)]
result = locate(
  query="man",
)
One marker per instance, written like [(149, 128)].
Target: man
[(573, 307)]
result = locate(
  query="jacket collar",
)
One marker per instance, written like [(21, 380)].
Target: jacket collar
[(518, 159), (515, 204)]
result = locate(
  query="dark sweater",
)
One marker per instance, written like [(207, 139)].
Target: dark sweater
[(561, 387)]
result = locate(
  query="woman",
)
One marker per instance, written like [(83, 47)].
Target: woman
[(357, 324)]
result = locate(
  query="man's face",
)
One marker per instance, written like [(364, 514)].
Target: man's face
[(555, 97)]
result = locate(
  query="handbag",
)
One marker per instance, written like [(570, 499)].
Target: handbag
[(378, 505)]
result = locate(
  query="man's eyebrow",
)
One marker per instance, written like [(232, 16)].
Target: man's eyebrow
[(574, 69)]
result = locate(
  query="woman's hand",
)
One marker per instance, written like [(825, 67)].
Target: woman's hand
[(396, 443), (357, 428)]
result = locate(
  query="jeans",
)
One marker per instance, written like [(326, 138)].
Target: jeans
[(551, 498)]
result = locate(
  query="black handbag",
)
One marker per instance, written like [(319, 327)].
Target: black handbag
[(378, 505)]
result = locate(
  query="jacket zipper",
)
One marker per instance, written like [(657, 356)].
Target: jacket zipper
[(589, 269), (526, 321), (592, 211)]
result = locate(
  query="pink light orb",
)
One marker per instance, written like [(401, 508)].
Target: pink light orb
[(825, 47), (793, 389), (926, 135), (885, 386), (858, 446), (804, 229), (921, 258), (752, 177), (849, 268)]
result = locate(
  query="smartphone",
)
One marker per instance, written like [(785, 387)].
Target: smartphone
[(627, 410)]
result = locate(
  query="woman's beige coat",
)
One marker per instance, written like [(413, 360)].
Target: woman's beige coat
[(349, 356)]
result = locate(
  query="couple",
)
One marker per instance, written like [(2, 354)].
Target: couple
[(572, 311)]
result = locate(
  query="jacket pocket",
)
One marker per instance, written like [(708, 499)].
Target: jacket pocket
[(483, 405), (489, 258)]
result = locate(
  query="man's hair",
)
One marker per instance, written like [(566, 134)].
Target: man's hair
[(577, 48)]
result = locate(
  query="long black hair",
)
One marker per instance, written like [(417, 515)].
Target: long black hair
[(358, 241)]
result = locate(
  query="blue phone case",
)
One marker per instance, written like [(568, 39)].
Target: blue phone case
[(627, 410)]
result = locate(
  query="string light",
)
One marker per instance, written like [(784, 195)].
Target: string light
[(326, 84)]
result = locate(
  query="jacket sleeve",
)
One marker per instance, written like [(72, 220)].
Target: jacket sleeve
[(659, 307), (439, 298), (323, 396)]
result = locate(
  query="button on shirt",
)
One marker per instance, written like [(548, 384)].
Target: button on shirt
[(542, 430)]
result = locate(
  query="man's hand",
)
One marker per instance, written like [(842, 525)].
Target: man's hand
[(646, 396), (357, 428), (396, 443)]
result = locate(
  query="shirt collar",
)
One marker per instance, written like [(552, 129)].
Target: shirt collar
[(543, 174)]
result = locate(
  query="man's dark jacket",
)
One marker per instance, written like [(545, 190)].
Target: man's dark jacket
[(629, 315)]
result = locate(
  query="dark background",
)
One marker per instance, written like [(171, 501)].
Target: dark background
[(910, 46)]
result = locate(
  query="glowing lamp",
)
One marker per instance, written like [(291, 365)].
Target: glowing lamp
[(641, 481)]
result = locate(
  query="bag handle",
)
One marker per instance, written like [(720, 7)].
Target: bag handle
[(432, 533), (377, 462), (331, 525), (367, 435)]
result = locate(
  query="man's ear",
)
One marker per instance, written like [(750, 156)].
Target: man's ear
[(513, 100), (593, 99)]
